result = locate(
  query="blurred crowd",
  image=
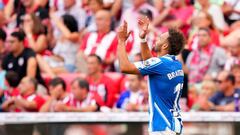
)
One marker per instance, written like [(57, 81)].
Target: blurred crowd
[(60, 55)]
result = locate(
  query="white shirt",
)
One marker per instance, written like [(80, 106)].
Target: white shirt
[(236, 6), (67, 50)]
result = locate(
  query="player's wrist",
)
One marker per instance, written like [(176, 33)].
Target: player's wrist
[(143, 39)]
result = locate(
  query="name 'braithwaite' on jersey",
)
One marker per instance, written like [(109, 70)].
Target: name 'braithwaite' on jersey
[(165, 80)]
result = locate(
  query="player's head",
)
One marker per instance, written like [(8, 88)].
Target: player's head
[(171, 42)]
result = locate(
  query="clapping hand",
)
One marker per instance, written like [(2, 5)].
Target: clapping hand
[(143, 24), (123, 33)]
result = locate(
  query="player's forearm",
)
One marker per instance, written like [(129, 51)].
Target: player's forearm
[(122, 56), (125, 65), (145, 51)]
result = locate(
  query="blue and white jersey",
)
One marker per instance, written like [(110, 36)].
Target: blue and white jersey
[(165, 80)]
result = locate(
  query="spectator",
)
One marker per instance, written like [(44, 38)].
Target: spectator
[(144, 88), (192, 94), (208, 89), (233, 38), (103, 42), (64, 53), (235, 70), (35, 33), (94, 7), (132, 98), (100, 83), (10, 91), (83, 100), (235, 56), (182, 57), (20, 8), (71, 7), (177, 14), (3, 52), (21, 60), (116, 7), (222, 100), (27, 101), (231, 10), (131, 15), (159, 5), (3, 36), (58, 95), (202, 19), (215, 11), (207, 60), (153, 34), (36, 39)]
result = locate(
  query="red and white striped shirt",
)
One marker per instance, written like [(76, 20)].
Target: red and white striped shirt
[(31, 98), (103, 45), (88, 101)]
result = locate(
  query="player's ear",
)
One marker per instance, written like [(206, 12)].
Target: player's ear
[(165, 47)]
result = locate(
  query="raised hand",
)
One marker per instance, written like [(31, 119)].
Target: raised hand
[(143, 23), (122, 32)]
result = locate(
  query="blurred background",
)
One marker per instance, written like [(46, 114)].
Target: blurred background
[(60, 56)]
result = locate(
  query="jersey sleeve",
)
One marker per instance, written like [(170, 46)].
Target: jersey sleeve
[(150, 66)]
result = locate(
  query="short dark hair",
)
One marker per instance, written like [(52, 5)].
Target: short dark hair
[(97, 57), (56, 81), (20, 35), (12, 78), (176, 41), (3, 35), (34, 82), (231, 78), (82, 83)]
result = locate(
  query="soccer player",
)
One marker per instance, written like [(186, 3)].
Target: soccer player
[(165, 76)]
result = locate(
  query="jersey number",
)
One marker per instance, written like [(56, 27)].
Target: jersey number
[(177, 90)]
